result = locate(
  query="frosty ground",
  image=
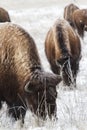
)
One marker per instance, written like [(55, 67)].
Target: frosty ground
[(37, 17)]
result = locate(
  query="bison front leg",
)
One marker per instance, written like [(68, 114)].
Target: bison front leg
[(17, 112)]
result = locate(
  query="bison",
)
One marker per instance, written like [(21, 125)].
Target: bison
[(23, 82), (63, 51), (80, 21), (4, 16), (68, 11)]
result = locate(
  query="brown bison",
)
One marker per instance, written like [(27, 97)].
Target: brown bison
[(68, 11), (80, 21), (23, 82), (4, 16), (63, 51)]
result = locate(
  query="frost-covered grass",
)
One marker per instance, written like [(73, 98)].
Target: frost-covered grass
[(71, 105)]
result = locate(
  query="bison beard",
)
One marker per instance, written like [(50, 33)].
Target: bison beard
[(23, 82)]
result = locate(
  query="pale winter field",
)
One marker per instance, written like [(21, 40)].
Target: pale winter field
[(36, 16)]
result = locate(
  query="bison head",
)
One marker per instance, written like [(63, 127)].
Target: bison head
[(42, 94)]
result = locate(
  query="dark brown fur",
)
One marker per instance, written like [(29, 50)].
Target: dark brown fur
[(63, 44), (80, 21), (68, 11), (23, 82), (4, 16)]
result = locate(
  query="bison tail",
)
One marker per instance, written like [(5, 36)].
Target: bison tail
[(60, 37)]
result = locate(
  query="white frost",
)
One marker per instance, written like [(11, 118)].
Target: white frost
[(71, 105)]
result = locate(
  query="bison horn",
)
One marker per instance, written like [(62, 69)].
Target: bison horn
[(27, 88)]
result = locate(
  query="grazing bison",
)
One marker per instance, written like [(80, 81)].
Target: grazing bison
[(23, 82), (4, 16), (63, 51), (68, 11), (80, 21)]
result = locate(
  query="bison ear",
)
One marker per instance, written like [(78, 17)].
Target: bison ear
[(29, 87)]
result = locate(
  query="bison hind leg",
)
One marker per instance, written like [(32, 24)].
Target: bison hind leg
[(55, 69), (17, 112), (0, 104)]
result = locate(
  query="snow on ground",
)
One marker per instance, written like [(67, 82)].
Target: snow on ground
[(36, 17)]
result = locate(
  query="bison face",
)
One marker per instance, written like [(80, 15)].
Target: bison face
[(42, 94), (83, 19), (82, 26), (68, 70)]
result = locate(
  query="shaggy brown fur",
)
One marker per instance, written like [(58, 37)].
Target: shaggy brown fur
[(4, 16), (80, 21), (62, 45), (23, 82), (68, 11)]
